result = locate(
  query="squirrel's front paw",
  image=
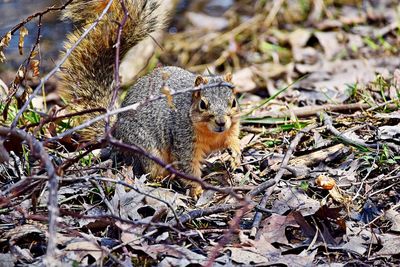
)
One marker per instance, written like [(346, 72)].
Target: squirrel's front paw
[(195, 190), (234, 159)]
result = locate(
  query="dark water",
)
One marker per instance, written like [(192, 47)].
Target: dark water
[(53, 31)]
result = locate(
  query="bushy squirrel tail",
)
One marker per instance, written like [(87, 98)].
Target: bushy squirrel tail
[(87, 75)]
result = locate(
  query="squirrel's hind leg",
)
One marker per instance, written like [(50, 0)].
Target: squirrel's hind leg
[(189, 161), (157, 171), (180, 161), (127, 158)]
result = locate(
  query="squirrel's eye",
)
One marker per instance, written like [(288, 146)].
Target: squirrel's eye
[(202, 105), (234, 103)]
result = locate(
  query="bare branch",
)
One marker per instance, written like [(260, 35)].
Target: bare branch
[(117, 83)]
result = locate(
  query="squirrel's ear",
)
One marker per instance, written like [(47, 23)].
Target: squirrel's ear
[(200, 80), (228, 77), (196, 95)]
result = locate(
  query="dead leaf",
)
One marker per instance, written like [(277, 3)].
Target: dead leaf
[(6, 40), (79, 250), (167, 92), (7, 260), (22, 254), (129, 205), (247, 256), (340, 196), (329, 43), (357, 239), (245, 140), (263, 243), (303, 259), (390, 245), (325, 182), (176, 254), (4, 43), (35, 67), (25, 231), (354, 41), (352, 15), (22, 33), (307, 55), (207, 22), (296, 200), (393, 216), (243, 80), (273, 70), (164, 236), (329, 81), (132, 235), (126, 204), (273, 229), (389, 132), (299, 37), (206, 198)]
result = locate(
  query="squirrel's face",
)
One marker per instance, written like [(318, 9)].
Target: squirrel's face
[(215, 108)]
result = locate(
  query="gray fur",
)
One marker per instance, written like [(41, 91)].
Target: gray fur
[(157, 126)]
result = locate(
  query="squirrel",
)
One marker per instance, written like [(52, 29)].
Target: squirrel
[(181, 133)]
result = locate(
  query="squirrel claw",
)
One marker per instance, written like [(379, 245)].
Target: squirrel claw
[(195, 191), (234, 160)]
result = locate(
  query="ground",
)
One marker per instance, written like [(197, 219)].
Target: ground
[(318, 83)]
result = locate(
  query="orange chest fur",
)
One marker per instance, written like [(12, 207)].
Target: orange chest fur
[(206, 141)]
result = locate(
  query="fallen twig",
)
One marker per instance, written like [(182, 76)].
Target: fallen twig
[(194, 214), (329, 125), (308, 111), (208, 211)]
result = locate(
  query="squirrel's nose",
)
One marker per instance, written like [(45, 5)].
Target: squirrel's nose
[(220, 122)]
